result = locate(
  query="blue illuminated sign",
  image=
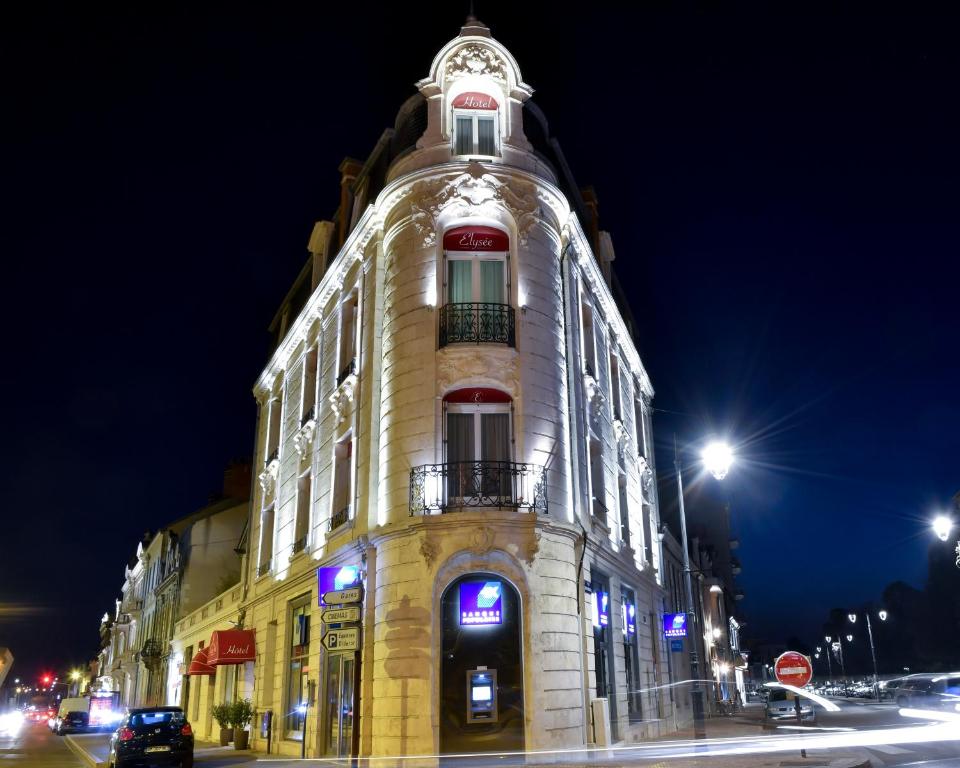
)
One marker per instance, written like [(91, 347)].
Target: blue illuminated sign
[(481, 602), (675, 624), (337, 577)]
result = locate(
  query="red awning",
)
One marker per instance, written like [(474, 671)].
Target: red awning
[(200, 666), (232, 646), (476, 395)]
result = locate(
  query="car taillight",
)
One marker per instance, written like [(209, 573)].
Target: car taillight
[(125, 734), (186, 730)]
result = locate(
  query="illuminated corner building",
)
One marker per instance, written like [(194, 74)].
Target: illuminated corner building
[(455, 407)]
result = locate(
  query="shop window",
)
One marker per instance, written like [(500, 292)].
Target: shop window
[(631, 656), (297, 693)]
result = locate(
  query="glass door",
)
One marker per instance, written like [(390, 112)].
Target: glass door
[(339, 704)]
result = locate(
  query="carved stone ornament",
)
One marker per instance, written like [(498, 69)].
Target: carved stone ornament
[(268, 478), (532, 547), (620, 432), (343, 396), (646, 474), (474, 192), (304, 437), (456, 365), (429, 550), (481, 540), (476, 59), (594, 395)]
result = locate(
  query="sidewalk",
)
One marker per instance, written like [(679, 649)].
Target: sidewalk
[(94, 750)]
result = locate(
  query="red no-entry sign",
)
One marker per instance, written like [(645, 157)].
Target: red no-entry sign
[(792, 668)]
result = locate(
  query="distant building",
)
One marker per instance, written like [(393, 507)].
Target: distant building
[(174, 571), (6, 663), (456, 417)]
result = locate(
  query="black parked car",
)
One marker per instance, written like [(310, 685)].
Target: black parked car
[(152, 736)]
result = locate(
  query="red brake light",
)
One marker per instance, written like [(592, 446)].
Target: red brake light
[(186, 730), (125, 734)]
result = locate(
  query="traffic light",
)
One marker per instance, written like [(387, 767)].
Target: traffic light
[(45, 679)]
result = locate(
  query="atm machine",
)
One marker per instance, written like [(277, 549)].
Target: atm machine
[(482, 695)]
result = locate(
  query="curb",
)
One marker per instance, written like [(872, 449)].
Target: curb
[(82, 753)]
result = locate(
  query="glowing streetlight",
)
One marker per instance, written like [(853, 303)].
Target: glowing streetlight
[(852, 617), (942, 525), (828, 638), (717, 458), (75, 675), (849, 638), (819, 649), (883, 615)]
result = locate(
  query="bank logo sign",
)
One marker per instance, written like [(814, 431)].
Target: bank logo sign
[(481, 602), (675, 624)]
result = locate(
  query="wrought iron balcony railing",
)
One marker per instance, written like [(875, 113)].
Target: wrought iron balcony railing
[(478, 323), (311, 412), (348, 370), (300, 544), (274, 454), (264, 568), (464, 484), (340, 518)]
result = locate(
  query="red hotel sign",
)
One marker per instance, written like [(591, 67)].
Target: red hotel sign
[(231, 646), (474, 100), (476, 239)]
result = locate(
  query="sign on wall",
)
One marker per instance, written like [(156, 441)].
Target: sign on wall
[(601, 608), (476, 238), (337, 579), (675, 624), (481, 603), (475, 100)]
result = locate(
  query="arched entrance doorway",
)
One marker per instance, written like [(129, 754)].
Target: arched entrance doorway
[(481, 667)]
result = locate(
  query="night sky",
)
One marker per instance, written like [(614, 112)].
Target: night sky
[(782, 191)]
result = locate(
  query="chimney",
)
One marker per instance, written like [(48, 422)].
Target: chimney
[(349, 169), (589, 196), (236, 481)]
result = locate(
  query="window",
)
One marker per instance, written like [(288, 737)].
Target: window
[(624, 507), (476, 278), (598, 494), (587, 339), (342, 481), (299, 653), (615, 386), (266, 540), (348, 338), (474, 133), (273, 429), (309, 394), (639, 424), (478, 450), (303, 511)]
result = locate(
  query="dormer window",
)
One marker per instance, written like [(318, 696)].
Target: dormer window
[(475, 124)]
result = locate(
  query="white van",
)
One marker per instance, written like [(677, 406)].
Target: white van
[(73, 716)]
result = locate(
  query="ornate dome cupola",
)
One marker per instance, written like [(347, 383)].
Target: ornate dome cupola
[(475, 95)]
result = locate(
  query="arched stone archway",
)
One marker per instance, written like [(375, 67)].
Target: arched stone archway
[(481, 626)]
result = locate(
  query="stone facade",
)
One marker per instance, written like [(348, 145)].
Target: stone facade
[(360, 453)]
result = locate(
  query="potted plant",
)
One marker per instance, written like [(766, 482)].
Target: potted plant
[(222, 714), (241, 713)]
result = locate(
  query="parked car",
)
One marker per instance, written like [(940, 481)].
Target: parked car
[(940, 691), (152, 736), (781, 706)]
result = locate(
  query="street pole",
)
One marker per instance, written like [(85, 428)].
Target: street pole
[(873, 654), (843, 669), (699, 728), (829, 666)]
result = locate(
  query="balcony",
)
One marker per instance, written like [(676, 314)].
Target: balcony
[(483, 484), (264, 568), (477, 323), (300, 544), (348, 370), (340, 518)]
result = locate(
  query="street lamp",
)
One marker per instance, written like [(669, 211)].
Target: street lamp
[(873, 651), (942, 525), (849, 638), (717, 458)]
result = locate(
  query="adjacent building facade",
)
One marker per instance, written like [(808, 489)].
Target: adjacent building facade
[(454, 428)]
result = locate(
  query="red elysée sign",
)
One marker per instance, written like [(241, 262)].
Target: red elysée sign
[(474, 100), (476, 239)]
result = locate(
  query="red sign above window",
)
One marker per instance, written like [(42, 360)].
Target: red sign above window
[(231, 646), (476, 239), (474, 100), (477, 395)]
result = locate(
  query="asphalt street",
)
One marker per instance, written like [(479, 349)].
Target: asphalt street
[(37, 747)]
